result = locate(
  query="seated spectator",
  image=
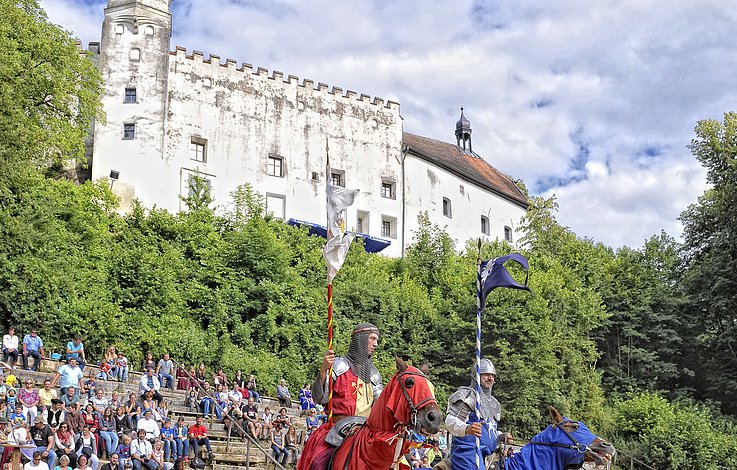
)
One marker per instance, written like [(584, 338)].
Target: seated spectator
[(221, 400), (10, 348), (75, 349), (282, 419), (87, 448), (251, 387), (149, 382), (70, 400), (305, 398), (65, 463), (83, 461), (55, 414), (64, 442), (234, 425), (142, 452), (18, 419), (76, 424), (92, 421), (99, 402), (123, 422), (168, 437), (108, 431), (250, 414), (114, 463), (46, 395), (10, 401), (114, 400), (282, 393), (121, 367), (205, 399), (235, 400), (311, 423), (133, 408), (36, 463), (106, 372), (71, 376), (28, 396), (201, 375), (278, 445), (198, 437), (148, 425), (182, 438), (266, 419), (157, 455), (239, 379), (124, 451), (43, 440), (220, 378), (33, 347), (162, 412), (181, 376), (165, 371), (149, 403), (148, 362), (292, 441), (89, 386), (111, 355)]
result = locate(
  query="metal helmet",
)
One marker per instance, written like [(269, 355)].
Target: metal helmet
[(486, 367)]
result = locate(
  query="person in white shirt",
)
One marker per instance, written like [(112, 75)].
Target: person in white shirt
[(149, 425), (99, 401), (36, 463), (150, 382), (141, 451), (10, 348)]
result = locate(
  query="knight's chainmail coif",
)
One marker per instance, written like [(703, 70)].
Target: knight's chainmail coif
[(358, 353)]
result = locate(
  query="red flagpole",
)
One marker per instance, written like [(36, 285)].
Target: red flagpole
[(330, 346)]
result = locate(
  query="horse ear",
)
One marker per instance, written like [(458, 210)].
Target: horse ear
[(555, 415), (401, 365)]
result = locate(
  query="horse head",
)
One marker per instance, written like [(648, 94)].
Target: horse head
[(410, 399), (577, 443)]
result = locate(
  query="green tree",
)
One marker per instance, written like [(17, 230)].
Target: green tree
[(710, 256), (49, 91)]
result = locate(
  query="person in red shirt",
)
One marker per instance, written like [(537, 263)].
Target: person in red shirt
[(198, 437)]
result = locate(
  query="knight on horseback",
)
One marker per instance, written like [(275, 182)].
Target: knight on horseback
[(356, 386), (465, 426)]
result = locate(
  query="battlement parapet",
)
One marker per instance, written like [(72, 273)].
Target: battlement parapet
[(292, 80)]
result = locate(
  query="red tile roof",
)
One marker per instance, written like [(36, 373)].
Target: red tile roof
[(468, 166)]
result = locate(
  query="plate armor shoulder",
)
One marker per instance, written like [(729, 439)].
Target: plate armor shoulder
[(340, 366)]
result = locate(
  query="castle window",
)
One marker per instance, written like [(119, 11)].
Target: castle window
[(276, 205), (198, 149), (447, 209), (149, 31), (337, 178), (130, 95), (135, 54), (388, 189), (508, 234), (362, 222), (193, 190), (485, 225), (275, 166), (119, 29), (388, 226), (129, 131)]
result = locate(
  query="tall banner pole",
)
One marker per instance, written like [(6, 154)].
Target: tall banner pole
[(479, 309), (330, 346)]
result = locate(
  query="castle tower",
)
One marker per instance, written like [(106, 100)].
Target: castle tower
[(134, 62), (463, 133)]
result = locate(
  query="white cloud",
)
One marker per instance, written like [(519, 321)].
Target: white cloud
[(597, 99)]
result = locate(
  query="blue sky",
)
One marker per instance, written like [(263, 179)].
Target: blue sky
[(594, 102)]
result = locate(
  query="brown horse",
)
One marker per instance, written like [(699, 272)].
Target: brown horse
[(405, 411)]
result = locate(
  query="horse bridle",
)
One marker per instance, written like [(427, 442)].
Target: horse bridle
[(578, 446), (414, 408)]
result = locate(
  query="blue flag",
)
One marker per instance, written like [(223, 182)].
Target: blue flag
[(494, 274)]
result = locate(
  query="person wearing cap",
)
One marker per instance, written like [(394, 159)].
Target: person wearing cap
[(33, 347), (149, 382), (356, 386), (462, 421), (55, 414), (149, 425), (43, 439), (71, 376)]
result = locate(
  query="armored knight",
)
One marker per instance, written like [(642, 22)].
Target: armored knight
[(356, 385), (462, 421)]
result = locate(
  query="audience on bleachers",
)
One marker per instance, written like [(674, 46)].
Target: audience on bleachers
[(74, 423)]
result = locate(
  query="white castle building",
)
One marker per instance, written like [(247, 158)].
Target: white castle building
[(174, 114)]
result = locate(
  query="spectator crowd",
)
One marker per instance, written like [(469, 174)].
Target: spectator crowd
[(70, 423)]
